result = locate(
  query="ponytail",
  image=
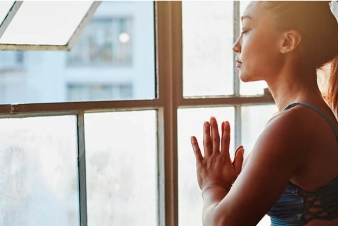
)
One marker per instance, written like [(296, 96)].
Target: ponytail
[(332, 90)]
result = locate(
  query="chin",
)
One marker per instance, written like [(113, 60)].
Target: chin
[(244, 78), (247, 78)]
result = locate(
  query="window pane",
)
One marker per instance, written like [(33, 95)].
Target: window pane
[(11, 60), (5, 6), (38, 177), (190, 122), (111, 38), (254, 119), (121, 168), (113, 59), (207, 48), (250, 88), (334, 9), (28, 27)]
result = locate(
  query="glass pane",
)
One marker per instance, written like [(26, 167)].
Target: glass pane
[(207, 48), (5, 6), (10, 60), (41, 22), (38, 177), (250, 88), (190, 123), (121, 154), (113, 59), (254, 119), (334, 9)]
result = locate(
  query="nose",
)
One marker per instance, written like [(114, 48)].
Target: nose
[(237, 46)]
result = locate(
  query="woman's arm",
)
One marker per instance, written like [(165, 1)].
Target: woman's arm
[(276, 156)]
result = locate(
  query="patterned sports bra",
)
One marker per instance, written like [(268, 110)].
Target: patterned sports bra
[(297, 206)]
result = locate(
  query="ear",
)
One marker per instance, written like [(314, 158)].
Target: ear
[(290, 41)]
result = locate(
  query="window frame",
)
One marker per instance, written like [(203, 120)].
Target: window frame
[(169, 83), (9, 17)]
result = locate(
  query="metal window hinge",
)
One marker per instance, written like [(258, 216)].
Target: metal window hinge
[(15, 108)]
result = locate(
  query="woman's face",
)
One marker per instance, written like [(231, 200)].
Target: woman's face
[(258, 47)]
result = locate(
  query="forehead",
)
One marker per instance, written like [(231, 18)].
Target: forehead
[(255, 10)]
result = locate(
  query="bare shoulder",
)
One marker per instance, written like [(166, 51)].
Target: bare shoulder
[(296, 116), (288, 133), (300, 126), (283, 134)]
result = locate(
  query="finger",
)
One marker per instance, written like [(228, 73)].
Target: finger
[(238, 162), (196, 148), (207, 143), (225, 141), (237, 149), (214, 135)]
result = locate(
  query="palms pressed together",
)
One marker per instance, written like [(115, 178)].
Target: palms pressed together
[(216, 167)]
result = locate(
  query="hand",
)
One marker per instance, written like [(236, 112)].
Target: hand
[(216, 167)]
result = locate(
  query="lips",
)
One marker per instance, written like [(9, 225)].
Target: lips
[(238, 63)]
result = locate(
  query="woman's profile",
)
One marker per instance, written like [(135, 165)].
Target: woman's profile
[(291, 173)]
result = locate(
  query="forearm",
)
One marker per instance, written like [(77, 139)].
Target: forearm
[(212, 196)]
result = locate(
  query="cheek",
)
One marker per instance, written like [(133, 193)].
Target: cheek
[(259, 57)]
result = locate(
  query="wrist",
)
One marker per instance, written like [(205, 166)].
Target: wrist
[(215, 189), (214, 185)]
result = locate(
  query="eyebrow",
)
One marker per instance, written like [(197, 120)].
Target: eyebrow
[(246, 17)]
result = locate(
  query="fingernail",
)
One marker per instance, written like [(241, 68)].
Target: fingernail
[(242, 151)]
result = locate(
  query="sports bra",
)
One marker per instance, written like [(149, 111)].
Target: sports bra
[(297, 206)]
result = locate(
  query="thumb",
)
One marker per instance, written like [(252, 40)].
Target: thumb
[(238, 162)]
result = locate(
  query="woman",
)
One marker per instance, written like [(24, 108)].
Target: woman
[(291, 173)]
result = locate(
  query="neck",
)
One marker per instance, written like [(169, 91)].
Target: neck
[(288, 88)]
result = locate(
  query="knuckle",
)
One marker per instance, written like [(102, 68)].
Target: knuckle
[(208, 143), (216, 139)]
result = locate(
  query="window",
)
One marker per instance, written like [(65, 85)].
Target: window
[(118, 184), (120, 141), (11, 60), (96, 92), (39, 171), (106, 63), (21, 27), (104, 41)]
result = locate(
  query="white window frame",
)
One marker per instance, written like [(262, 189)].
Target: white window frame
[(169, 62), (9, 17)]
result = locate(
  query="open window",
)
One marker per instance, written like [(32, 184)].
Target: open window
[(29, 25)]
